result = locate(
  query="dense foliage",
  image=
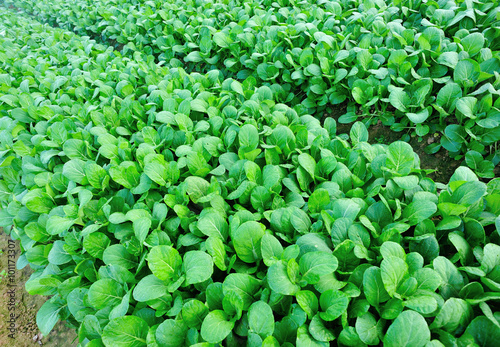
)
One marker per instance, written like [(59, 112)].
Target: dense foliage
[(421, 67), (164, 206)]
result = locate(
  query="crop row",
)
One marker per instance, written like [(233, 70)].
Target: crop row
[(419, 67), (162, 207)]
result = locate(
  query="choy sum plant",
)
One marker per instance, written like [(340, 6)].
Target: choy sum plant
[(160, 207), (420, 67)]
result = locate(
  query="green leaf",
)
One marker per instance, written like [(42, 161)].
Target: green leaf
[(304, 339), (193, 313), (149, 288), (197, 188), (333, 304), (221, 39), (483, 331), (318, 200), (419, 117), (141, 228), (105, 292), (393, 272), (468, 193), (392, 249), (171, 333), (418, 211), (248, 137), (198, 266), (308, 301), (427, 279), (308, 163), (399, 98), (47, 317), (125, 331), (58, 255), (472, 43), (118, 255), (448, 96), (244, 285), (423, 304), (315, 264), (247, 241), (467, 106), (278, 280), (358, 133), (454, 316), (373, 286), (491, 257), (57, 225), (449, 59), (213, 224), (466, 73), (367, 329), (271, 249), (261, 319), (164, 261), (157, 172), (452, 280), (216, 327), (408, 329), (318, 330), (215, 247), (400, 158)]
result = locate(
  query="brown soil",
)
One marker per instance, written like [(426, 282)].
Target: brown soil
[(24, 306)]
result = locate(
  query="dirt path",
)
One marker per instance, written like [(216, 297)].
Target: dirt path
[(19, 308)]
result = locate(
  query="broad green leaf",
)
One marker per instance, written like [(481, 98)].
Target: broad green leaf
[(400, 158), (418, 211), (358, 133), (214, 225), (171, 333), (393, 272), (452, 280), (453, 316), (247, 241), (315, 264), (333, 304), (308, 301), (118, 255), (408, 329), (261, 319), (244, 285), (193, 313), (149, 288), (164, 261), (318, 200), (308, 163), (399, 98), (105, 292), (373, 286), (278, 280), (125, 331), (198, 266), (216, 327), (468, 193), (47, 317), (472, 43), (367, 329), (483, 331)]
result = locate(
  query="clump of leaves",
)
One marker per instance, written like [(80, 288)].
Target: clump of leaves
[(419, 67), (160, 208)]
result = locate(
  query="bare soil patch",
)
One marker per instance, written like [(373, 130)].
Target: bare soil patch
[(15, 300)]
